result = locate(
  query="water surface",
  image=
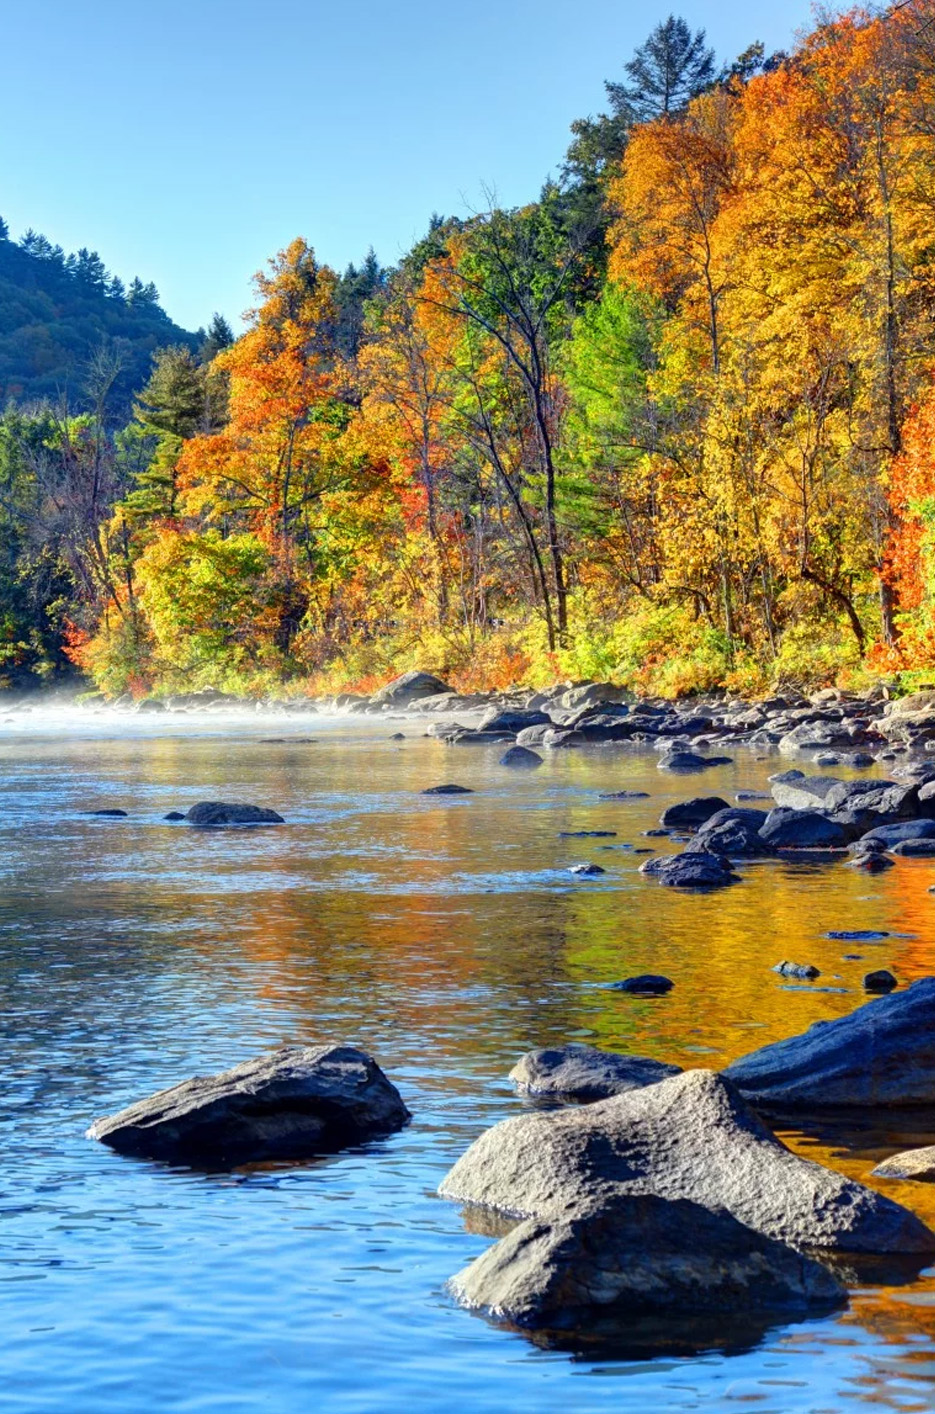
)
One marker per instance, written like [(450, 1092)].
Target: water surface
[(442, 934)]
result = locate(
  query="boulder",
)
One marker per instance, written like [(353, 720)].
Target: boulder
[(512, 719), (410, 687), (734, 832), (915, 849), (585, 1073), (647, 984), (804, 970), (693, 1137), (219, 812), (917, 1164), (689, 814), (292, 1103), (694, 869), (803, 793), (587, 870), (818, 736), (638, 1255), (802, 829), (889, 835), (533, 736), (520, 757), (881, 1054), (888, 800)]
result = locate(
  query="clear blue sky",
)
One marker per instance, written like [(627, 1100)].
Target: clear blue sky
[(188, 140)]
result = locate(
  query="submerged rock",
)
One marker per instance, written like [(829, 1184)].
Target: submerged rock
[(585, 1073), (688, 1137), (586, 869), (107, 814), (292, 1103), (647, 984), (637, 1255), (917, 1164), (880, 981), (522, 757), (220, 812), (449, 789), (624, 795), (881, 1054), (690, 761), (797, 969)]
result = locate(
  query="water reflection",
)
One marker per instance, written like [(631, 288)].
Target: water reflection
[(446, 936)]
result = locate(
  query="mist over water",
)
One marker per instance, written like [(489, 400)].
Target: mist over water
[(446, 936)]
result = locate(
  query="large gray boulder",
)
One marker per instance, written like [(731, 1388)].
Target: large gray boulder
[(512, 719), (221, 812), (585, 1073), (804, 792), (881, 1054), (888, 835), (635, 1255), (292, 1103), (694, 1137), (410, 687)]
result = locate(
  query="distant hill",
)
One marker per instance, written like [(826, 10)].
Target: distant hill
[(58, 311)]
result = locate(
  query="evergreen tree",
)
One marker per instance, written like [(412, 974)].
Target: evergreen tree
[(668, 71), (220, 336)]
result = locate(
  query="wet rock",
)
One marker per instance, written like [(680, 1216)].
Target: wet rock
[(744, 795), (691, 1137), (397, 736), (174, 815), (468, 737), (639, 1255), (684, 761), (857, 760), (803, 793), (291, 1103), (802, 829), (410, 687), (696, 869), (585, 1073), (881, 1054), (797, 969), (916, 1164), (915, 849), (689, 814), (888, 835), (107, 814), (220, 812), (870, 863), (624, 795), (880, 981), (818, 736), (648, 984), (586, 869), (520, 757), (449, 789), (734, 832), (512, 719)]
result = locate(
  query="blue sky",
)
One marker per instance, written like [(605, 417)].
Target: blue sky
[(188, 140)]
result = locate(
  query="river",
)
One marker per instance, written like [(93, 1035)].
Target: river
[(446, 936)]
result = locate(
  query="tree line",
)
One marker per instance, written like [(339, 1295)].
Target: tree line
[(669, 423)]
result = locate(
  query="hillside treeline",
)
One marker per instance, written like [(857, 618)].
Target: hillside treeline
[(671, 423)]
